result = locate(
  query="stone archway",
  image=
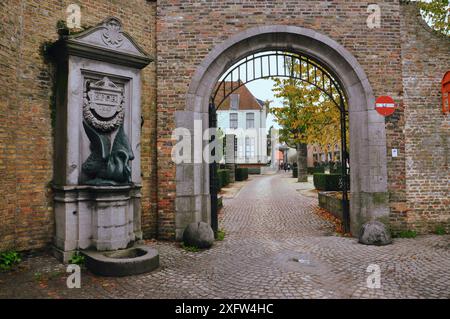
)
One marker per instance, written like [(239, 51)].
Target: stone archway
[(369, 197)]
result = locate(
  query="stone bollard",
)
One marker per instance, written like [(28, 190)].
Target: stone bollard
[(374, 233), (199, 234)]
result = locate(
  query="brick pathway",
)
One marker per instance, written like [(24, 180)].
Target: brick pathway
[(275, 247)]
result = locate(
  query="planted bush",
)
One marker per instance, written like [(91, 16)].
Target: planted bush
[(8, 260), (241, 174), (254, 170), (223, 176), (327, 182), (317, 169)]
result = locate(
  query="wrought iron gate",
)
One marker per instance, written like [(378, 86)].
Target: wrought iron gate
[(213, 181), (275, 64)]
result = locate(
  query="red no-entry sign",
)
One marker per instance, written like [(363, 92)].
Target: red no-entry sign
[(385, 105)]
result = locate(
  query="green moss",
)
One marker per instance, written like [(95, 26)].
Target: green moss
[(440, 230), (406, 234), (220, 235), (379, 198), (191, 249)]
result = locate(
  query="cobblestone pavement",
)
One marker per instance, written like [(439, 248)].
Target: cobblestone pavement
[(275, 247)]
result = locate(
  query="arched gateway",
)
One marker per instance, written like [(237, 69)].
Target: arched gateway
[(369, 197)]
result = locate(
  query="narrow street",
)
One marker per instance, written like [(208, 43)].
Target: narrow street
[(275, 246)]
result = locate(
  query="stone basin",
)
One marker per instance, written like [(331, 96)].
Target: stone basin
[(125, 262)]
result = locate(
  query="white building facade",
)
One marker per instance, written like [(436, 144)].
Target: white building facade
[(245, 116)]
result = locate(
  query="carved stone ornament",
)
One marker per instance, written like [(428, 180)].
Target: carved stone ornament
[(113, 34), (103, 105)]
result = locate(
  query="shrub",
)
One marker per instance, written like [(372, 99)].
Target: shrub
[(254, 170), (440, 230), (223, 176), (77, 259), (241, 174), (407, 234), (327, 182), (8, 260), (336, 169), (220, 235), (318, 169)]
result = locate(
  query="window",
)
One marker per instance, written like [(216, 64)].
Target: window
[(233, 120), (250, 117), (249, 147), (234, 102)]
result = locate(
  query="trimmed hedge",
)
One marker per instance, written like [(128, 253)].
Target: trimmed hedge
[(241, 174), (254, 170), (336, 169), (318, 169), (223, 178), (327, 182)]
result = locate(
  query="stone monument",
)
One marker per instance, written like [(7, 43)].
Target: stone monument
[(97, 173)]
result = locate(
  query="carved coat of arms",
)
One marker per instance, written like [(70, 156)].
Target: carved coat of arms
[(103, 112), (103, 105)]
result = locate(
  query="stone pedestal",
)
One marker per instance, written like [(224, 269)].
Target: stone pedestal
[(101, 217)]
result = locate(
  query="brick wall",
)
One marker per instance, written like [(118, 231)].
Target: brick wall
[(186, 31), (26, 148), (189, 30), (425, 59), (9, 28)]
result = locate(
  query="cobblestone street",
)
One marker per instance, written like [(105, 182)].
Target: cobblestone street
[(275, 246)]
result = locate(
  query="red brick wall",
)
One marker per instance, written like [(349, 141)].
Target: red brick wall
[(186, 31), (425, 59), (189, 30), (26, 149), (9, 28)]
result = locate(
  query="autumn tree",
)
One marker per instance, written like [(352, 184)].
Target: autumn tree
[(436, 14), (308, 116)]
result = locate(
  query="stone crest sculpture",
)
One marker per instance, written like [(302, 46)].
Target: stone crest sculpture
[(103, 105), (103, 113), (113, 33)]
